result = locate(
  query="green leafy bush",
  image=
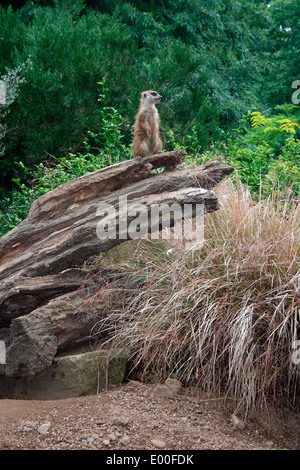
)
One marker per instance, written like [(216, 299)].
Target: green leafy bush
[(268, 152), (101, 149), (194, 54), (69, 54), (284, 172)]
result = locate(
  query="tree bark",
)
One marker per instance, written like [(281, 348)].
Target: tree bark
[(60, 229), (37, 258)]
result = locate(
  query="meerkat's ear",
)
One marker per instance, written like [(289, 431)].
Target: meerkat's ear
[(145, 94)]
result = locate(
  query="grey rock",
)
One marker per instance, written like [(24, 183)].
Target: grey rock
[(125, 440), (33, 346), (44, 428), (159, 443), (174, 385), (237, 423), (163, 392), (68, 376), (119, 421), (269, 444), (6, 445)]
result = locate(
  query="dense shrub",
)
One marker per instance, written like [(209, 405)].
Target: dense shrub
[(101, 149), (266, 154), (202, 61), (58, 102)]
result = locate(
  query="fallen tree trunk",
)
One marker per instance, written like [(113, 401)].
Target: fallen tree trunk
[(26, 288), (37, 257), (60, 229)]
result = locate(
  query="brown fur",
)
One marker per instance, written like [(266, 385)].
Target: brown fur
[(147, 140)]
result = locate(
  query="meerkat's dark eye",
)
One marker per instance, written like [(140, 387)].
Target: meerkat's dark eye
[(153, 93)]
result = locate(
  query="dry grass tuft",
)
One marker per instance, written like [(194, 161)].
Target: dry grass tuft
[(225, 317)]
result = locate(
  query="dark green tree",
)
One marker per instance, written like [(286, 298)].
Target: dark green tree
[(282, 51)]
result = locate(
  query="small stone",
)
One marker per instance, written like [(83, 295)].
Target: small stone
[(237, 423), (90, 440), (163, 391), (106, 442), (159, 443), (6, 444), (125, 440), (112, 437), (118, 434), (44, 428), (174, 385), (116, 421), (269, 444)]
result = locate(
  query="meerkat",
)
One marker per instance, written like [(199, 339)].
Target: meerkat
[(147, 140)]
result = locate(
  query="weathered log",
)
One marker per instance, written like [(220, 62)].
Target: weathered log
[(20, 295), (41, 311), (49, 329), (27, 288), (60, 228), (65, 319)]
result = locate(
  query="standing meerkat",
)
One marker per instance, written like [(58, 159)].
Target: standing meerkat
[(147, 140)]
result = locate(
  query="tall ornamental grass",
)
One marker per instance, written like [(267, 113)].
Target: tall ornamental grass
[(224, 318)]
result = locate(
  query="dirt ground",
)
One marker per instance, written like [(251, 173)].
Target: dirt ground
[(132, 417)]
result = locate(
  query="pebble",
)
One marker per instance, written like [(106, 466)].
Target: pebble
[(163, 391), (237, 423), (159, 443), (44, 428), (6, 444), (125, 440), (269, 444), (106, 442), (90, 440), (112, 437), (116, 421), (174, 385)]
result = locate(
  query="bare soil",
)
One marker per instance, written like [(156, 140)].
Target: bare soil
[(147, 422)]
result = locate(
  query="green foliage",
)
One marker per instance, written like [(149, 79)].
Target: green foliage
[(284, 172), (58, 104), (201, 56), (110, 149), (12, 32), (282, 51), (11, 83), (263, 152), (274, 124), (212, 61)]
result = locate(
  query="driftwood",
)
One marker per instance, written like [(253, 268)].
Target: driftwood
[(37, 258)]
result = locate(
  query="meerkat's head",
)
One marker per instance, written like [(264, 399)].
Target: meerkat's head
[(150, 97)]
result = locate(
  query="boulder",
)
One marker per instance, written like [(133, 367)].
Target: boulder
[(69, 376)]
